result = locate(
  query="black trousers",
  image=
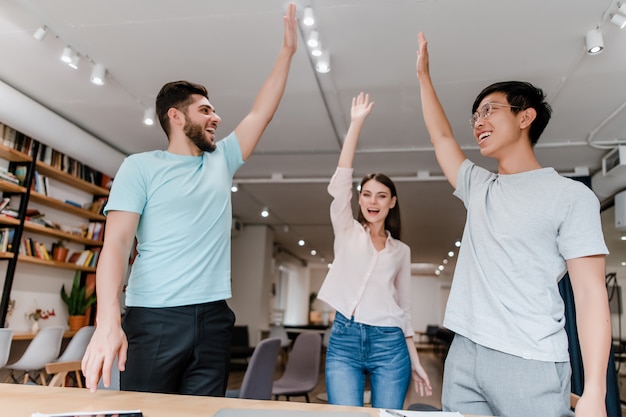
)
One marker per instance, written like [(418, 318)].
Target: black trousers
[(178, 350)]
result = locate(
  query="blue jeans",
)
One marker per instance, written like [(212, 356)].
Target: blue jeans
[(356, 350)]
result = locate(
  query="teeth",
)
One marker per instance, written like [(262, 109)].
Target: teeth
[(484, 135)]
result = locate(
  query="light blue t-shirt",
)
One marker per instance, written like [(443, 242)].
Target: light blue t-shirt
[(184, 229), (519, 232)]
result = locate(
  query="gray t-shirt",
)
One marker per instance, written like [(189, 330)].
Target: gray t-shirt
[(519, 232)]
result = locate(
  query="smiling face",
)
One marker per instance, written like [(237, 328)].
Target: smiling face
[(375, 201), (201, 123), (497, 126)]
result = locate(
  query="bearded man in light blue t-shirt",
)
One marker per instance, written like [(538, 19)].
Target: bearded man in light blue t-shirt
[(176, 333)]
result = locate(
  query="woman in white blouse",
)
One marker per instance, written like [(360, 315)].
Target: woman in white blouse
[(369, 286)]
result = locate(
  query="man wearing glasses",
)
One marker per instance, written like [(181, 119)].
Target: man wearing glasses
[(526, 227)]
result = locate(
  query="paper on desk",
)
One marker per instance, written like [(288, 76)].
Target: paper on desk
[(105, 413), (406, 413)]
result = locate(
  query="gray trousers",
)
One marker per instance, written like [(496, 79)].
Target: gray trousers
[(482, 381)]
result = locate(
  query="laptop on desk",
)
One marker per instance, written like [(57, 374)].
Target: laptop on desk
[(249, 412)]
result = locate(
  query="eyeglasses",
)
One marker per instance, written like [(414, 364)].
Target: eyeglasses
[(485, 111)]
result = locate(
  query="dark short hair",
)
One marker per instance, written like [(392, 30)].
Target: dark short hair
[(523, 95), (392, 221), (176, 94)]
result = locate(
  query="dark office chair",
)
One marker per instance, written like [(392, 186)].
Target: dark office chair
[(258, 379), (240, 349), (303, 367)]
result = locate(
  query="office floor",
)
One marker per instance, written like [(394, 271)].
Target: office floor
[(431, 362)]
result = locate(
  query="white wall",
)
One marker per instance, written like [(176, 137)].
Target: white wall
[(296, 295), (251, 268), (428, 296)]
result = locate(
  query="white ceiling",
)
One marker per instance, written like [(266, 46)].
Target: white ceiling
[(231, 45)]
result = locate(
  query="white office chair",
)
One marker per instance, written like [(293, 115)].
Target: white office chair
[(78, 345), (76, 349), (44, 348), (6, 337)]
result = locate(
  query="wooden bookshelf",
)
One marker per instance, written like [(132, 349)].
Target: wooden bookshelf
[(68, 208), (42, 230), (31, 156), (57, 174)]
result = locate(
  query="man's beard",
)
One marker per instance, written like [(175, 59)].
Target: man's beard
[(197, 135)]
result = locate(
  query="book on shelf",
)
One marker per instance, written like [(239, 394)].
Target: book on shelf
[(97, 206), (73, 258), (6, 239), (5, 202), (40, 183), (11, 212), (94, 231), (94, 260), (9, 136), (9, 176), (83, 257), (73, 203), (45, 252)]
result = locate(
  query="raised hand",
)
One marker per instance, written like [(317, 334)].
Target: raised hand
[(361, 107), (422, 56), (290, 37)]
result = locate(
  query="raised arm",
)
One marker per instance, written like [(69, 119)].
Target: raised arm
[(361, 108), (251, 128), (447, 150)]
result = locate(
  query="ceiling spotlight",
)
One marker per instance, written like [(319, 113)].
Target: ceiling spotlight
[(234, 188), (98, 74), (74, 61), (67, 54), (40, 33), (323, 63), (314, 39), (457, 243), (440, 267), (265, 212), (618, 19), (308, 19), (317, 51), (301, 242), (437, 272), (594, 42), (148, 117), (451, 254), (313, 252)]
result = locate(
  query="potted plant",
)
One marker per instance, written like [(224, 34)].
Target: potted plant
[(59, 251), (77, 301)]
